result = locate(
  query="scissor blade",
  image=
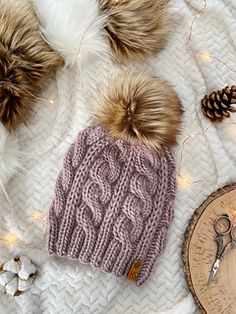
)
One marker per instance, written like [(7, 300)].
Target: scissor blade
[(211, 277), (213, 272)]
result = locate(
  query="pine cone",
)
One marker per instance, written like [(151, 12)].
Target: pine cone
[(217, 105)]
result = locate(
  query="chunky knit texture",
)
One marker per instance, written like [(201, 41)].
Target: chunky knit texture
[(113, 204)]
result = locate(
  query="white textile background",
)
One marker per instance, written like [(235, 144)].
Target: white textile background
[(209, 161)]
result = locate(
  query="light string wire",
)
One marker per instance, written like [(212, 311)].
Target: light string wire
[(205, 55), (182, 180)]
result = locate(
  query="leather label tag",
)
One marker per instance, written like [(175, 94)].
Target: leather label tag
[(135, 269)]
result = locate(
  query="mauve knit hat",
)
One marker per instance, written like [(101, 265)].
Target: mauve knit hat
[(114, 196)]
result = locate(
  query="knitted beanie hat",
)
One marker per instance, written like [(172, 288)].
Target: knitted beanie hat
[(114, 196)]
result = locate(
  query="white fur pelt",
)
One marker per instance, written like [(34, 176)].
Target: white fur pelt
[(73, 28), (10, 160)]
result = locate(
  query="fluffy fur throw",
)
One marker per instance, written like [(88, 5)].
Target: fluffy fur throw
[(73, 28), (83, 29), (26, 61), (135, 28), (141, 108)]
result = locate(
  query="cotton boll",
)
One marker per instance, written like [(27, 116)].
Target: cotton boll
[(6, 277), (27, 268), (13, 265), (17, 275), (73, 28), (24, 285), (12, 287)]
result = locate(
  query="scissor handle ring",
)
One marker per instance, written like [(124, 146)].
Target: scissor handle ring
[(233, 232), (223, 217)]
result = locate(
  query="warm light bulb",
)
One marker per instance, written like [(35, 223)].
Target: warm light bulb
[(36, 215), (206, 56), (51, 101), (183, 181), (193, 135), (10, 238)]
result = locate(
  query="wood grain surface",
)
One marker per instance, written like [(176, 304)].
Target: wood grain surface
[(199, 250)]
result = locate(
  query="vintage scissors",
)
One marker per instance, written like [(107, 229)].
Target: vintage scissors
[(223, 226)]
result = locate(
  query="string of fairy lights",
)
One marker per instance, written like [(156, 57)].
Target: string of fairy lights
[(184, 180), (10, 238)]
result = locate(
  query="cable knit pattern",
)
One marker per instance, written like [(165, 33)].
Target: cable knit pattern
[(113, 204)]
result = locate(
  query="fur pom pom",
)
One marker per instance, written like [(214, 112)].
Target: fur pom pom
[(26, 61), (73, 28), (9, 156), (141, 108), (136, 28)]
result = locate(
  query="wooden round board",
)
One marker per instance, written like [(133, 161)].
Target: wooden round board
[(199, 251)]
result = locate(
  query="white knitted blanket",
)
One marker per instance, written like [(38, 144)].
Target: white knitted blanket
[(194, 68)]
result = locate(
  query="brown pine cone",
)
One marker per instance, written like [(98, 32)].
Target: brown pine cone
[(217, 105)]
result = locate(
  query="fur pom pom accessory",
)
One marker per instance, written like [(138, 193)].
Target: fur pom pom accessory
[(73, 28), (136, 28), (26, 61), (141, 108), (10, 157)]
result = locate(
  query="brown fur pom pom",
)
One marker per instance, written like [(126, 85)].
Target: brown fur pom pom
[(141, 108), (26, 61), (136, 28)]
